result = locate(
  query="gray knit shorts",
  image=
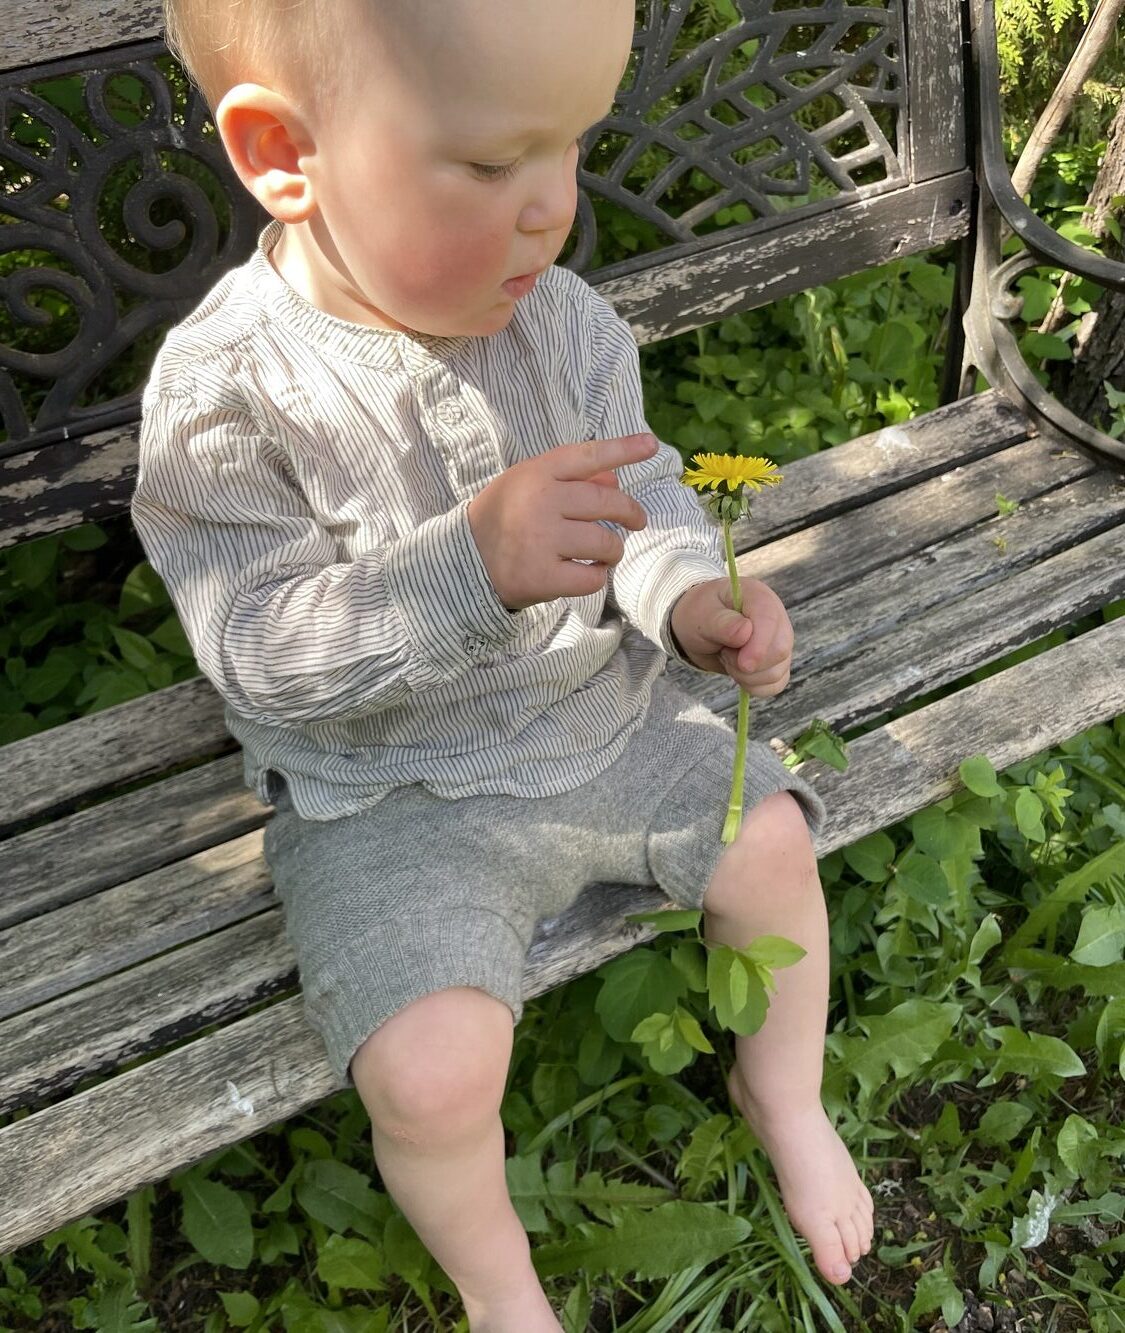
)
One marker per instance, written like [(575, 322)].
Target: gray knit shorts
[(420, 893)]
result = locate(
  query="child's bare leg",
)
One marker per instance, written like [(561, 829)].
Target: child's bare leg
[(767, 884), (432, 1079)]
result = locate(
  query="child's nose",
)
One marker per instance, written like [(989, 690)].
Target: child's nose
[(553, 201)]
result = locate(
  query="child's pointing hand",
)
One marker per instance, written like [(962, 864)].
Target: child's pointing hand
[(755, 648), (536, 521)]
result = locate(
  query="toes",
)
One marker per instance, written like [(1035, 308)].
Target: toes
[(851, 1238), (864, 1228), (828, 1251)]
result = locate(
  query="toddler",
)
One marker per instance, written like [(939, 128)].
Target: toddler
[(396, 474)]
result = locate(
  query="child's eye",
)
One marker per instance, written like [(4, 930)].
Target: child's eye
[(487, 172), (490, 173)]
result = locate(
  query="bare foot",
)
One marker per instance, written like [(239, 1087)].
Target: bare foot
[(823, 1194)]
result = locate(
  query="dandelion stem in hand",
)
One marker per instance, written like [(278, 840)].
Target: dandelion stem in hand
[(737, 475), (733, 821)]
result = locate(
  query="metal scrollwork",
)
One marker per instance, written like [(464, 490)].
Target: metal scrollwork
[(118, 211)]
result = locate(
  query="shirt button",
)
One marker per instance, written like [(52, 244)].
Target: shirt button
[(474, 645), (450, 413)]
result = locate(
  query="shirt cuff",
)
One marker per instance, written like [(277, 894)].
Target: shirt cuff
[(668, 579), (446, 599)]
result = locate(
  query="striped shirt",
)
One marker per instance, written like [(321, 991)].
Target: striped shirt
[(302, 491)]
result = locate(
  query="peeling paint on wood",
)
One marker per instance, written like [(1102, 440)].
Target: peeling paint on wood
[(36, 31)]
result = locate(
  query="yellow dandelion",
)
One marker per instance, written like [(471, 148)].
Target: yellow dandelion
[(715, 470)]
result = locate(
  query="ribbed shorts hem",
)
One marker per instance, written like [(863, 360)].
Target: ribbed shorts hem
[(388, 967)]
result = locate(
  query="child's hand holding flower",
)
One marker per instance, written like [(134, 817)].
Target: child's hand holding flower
[(754, 648), (769, 643)]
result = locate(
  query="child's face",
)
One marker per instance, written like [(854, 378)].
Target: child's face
[(451, 170)]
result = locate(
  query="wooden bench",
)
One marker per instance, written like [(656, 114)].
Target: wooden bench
[(148, 1004)]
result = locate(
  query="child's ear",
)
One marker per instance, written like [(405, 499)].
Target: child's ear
[(267, 141)]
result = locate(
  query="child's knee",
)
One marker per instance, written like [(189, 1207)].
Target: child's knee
[(773, 853), (437, 1069)]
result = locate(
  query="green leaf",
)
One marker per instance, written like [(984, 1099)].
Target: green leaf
[(635, 985), (774, 951), (135, 649), (703, 1159), (689, 1029), (979, 776), (1101, 936), (1028, 811), (901, 1041), (88, 537), (338, 1195), (921, 878), (242, 1307), (1044, 347), (735, 993), (217, 1222), (1078, 1145), (142, 590), (872, 857), (1002, 1122), (671, 919), (656, 1244), (936, 1288), (1032, 1055), (345, 1261), (138, 1228)]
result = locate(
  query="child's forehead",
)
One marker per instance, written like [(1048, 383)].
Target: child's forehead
[(520, 68)]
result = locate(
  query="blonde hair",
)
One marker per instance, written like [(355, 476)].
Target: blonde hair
[(294, 46)]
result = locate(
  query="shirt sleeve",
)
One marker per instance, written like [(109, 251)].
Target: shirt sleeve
[(286, 625), (680, 545)]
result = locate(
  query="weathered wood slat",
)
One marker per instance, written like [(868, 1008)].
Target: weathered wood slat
[(98, 936), (868, 612), (880, 535), (683, 294), (113, 1021), (185, 722), (882, 463), (36, 31), (84, 1153), (951, 641), (122, 744), (937, 103), (59, 863)]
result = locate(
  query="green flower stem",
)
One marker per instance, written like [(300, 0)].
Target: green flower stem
[(733, 821)]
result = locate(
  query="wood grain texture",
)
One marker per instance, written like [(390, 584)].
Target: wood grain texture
[(60, 862), (147, 1008), (82, 1154), (79, 943), (49, 772), (683, 294), (937, 93), (36, 31)]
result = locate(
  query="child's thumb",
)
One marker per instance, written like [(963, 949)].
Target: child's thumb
[(733, 629)]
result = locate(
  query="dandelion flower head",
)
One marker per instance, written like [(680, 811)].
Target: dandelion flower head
[(714, 470)]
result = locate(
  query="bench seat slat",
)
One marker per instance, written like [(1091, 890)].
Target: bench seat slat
[(117, 1019), (185, 722), (106, 932), (951, 641), (874, 539), (84, 1153), (48, 867)]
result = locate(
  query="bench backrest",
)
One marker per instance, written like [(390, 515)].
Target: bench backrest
[(792, 145)]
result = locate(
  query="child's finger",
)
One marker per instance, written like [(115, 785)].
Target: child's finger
[(580, 462)]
